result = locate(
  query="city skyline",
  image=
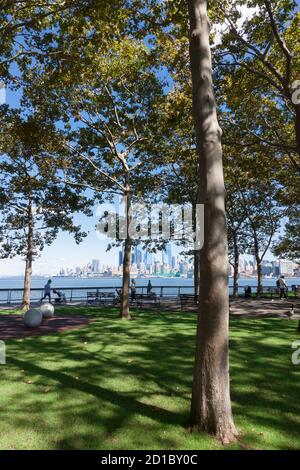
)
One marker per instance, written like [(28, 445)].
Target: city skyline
[(64, 253), (164, 263)]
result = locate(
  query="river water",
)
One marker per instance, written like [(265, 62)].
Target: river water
[(170, 285)]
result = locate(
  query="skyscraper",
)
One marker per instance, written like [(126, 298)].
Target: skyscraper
[(120, 258), (286, 267), (169, 254), (95, 265), (137, 258)]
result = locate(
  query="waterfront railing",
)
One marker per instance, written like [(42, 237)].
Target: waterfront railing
[(79, 294)]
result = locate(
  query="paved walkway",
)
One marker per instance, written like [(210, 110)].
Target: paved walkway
[(266, 308), (246, 307)]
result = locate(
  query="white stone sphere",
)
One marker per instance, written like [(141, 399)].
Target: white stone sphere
[(33, 318), (47, 310)]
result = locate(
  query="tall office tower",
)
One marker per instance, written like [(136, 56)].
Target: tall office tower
[(276, 270), (95, 265), (169, 254), (120, 258), (156, 267), (147, 258), (137, 256), (162, 257), (174, 264), (286, 267)]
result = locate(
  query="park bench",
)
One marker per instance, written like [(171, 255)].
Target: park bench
[(92, 297), (188, 300), (97, 297), (296, 290), (107, 298), (146, 299), (268, 292)]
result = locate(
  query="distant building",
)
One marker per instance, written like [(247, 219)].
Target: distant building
[(286, 268), (156, 267), (174, 264), (95, 266), (137, 256), (120, 258), (169, 254), (276, 270), (266, 268)]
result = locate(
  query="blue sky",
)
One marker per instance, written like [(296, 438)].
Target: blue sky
[(2, 94)]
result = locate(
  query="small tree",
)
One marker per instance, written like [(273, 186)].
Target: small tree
[(258, 201), (238, 235), (34, 204)]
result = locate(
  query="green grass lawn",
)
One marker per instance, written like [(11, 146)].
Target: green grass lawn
[(126, 385)]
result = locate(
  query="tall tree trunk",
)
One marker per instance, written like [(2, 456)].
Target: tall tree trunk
[(297, 128), (197, 273), (211, 405), (124, 310), (236, 268), (259, 276), (258, 263), (29, 258)]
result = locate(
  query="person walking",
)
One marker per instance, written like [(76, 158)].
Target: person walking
[(133, 289), (47, 291), (149, 288), (282, 287)]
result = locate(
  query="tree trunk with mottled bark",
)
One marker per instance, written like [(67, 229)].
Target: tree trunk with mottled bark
[(29, 258), (259, 277), (211, 405), (258, 264), (235, 268), (197, 273), (124, 310), (297, 127)]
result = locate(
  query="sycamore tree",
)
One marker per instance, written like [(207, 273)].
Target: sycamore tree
[(37, 31), (258, 66), (288, 197), (258, 190), (258, 81), (288, 245), (34, 205), (104, 114), (211, 405)]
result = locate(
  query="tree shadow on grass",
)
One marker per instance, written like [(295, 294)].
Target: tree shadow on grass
[(117, 378)]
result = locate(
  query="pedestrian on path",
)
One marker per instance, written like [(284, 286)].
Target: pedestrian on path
[(282, 287)]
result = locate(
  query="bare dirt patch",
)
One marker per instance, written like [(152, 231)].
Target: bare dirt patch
[(12, 326)]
